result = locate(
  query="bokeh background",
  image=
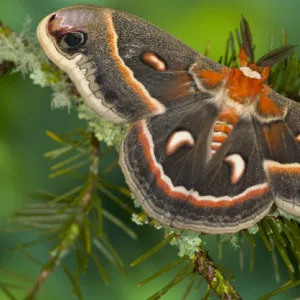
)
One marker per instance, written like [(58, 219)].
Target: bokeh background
[(25, 115)]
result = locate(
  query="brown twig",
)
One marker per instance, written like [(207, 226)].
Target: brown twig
[(205, 267), (64, 245), (40, 280), (5, 67)]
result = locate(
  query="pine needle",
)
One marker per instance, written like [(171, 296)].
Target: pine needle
[(189, 286), (76, 289), (55, 137), (68, 194), (58, 152), (281, 289), (105, 247), (7, 293), (115, 199), (119, 223), (68, 161), (163, 270), (100, 268), (153, 250), (180, 276), (69, 169)]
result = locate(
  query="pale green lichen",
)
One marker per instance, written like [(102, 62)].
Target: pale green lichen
[(233, 238), (62, 96), (39, 77), (253, 229), (110, 133), (21, 50), (288, 216), (188, 242), (140, 219), (29, 58), (136, 202)]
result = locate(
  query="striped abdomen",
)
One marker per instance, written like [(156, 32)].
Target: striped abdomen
[(222, 128)]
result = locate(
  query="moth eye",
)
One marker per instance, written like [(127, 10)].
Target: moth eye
[(154, 61), (73, 40)]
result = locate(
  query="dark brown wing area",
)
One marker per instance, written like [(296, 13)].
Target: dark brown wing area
[(280, 145), (168, 165), (159, 62)]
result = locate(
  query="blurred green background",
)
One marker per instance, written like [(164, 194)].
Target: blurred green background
[(25, 115)]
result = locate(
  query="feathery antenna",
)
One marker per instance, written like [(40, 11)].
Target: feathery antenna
[(247, 39), (276, 55)]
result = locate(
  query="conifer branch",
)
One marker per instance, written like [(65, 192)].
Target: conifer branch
[(206, 268), (40, 280), (85, 202)]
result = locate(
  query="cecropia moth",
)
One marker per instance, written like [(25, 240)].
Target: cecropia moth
[(210, 148)]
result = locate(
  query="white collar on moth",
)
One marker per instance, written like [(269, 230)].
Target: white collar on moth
[(250, 73)]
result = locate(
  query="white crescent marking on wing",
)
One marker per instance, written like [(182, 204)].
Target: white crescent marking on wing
[(177, 140), (238, 167)]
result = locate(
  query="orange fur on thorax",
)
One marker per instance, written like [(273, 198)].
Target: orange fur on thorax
[(244, 89), (240, 86)]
